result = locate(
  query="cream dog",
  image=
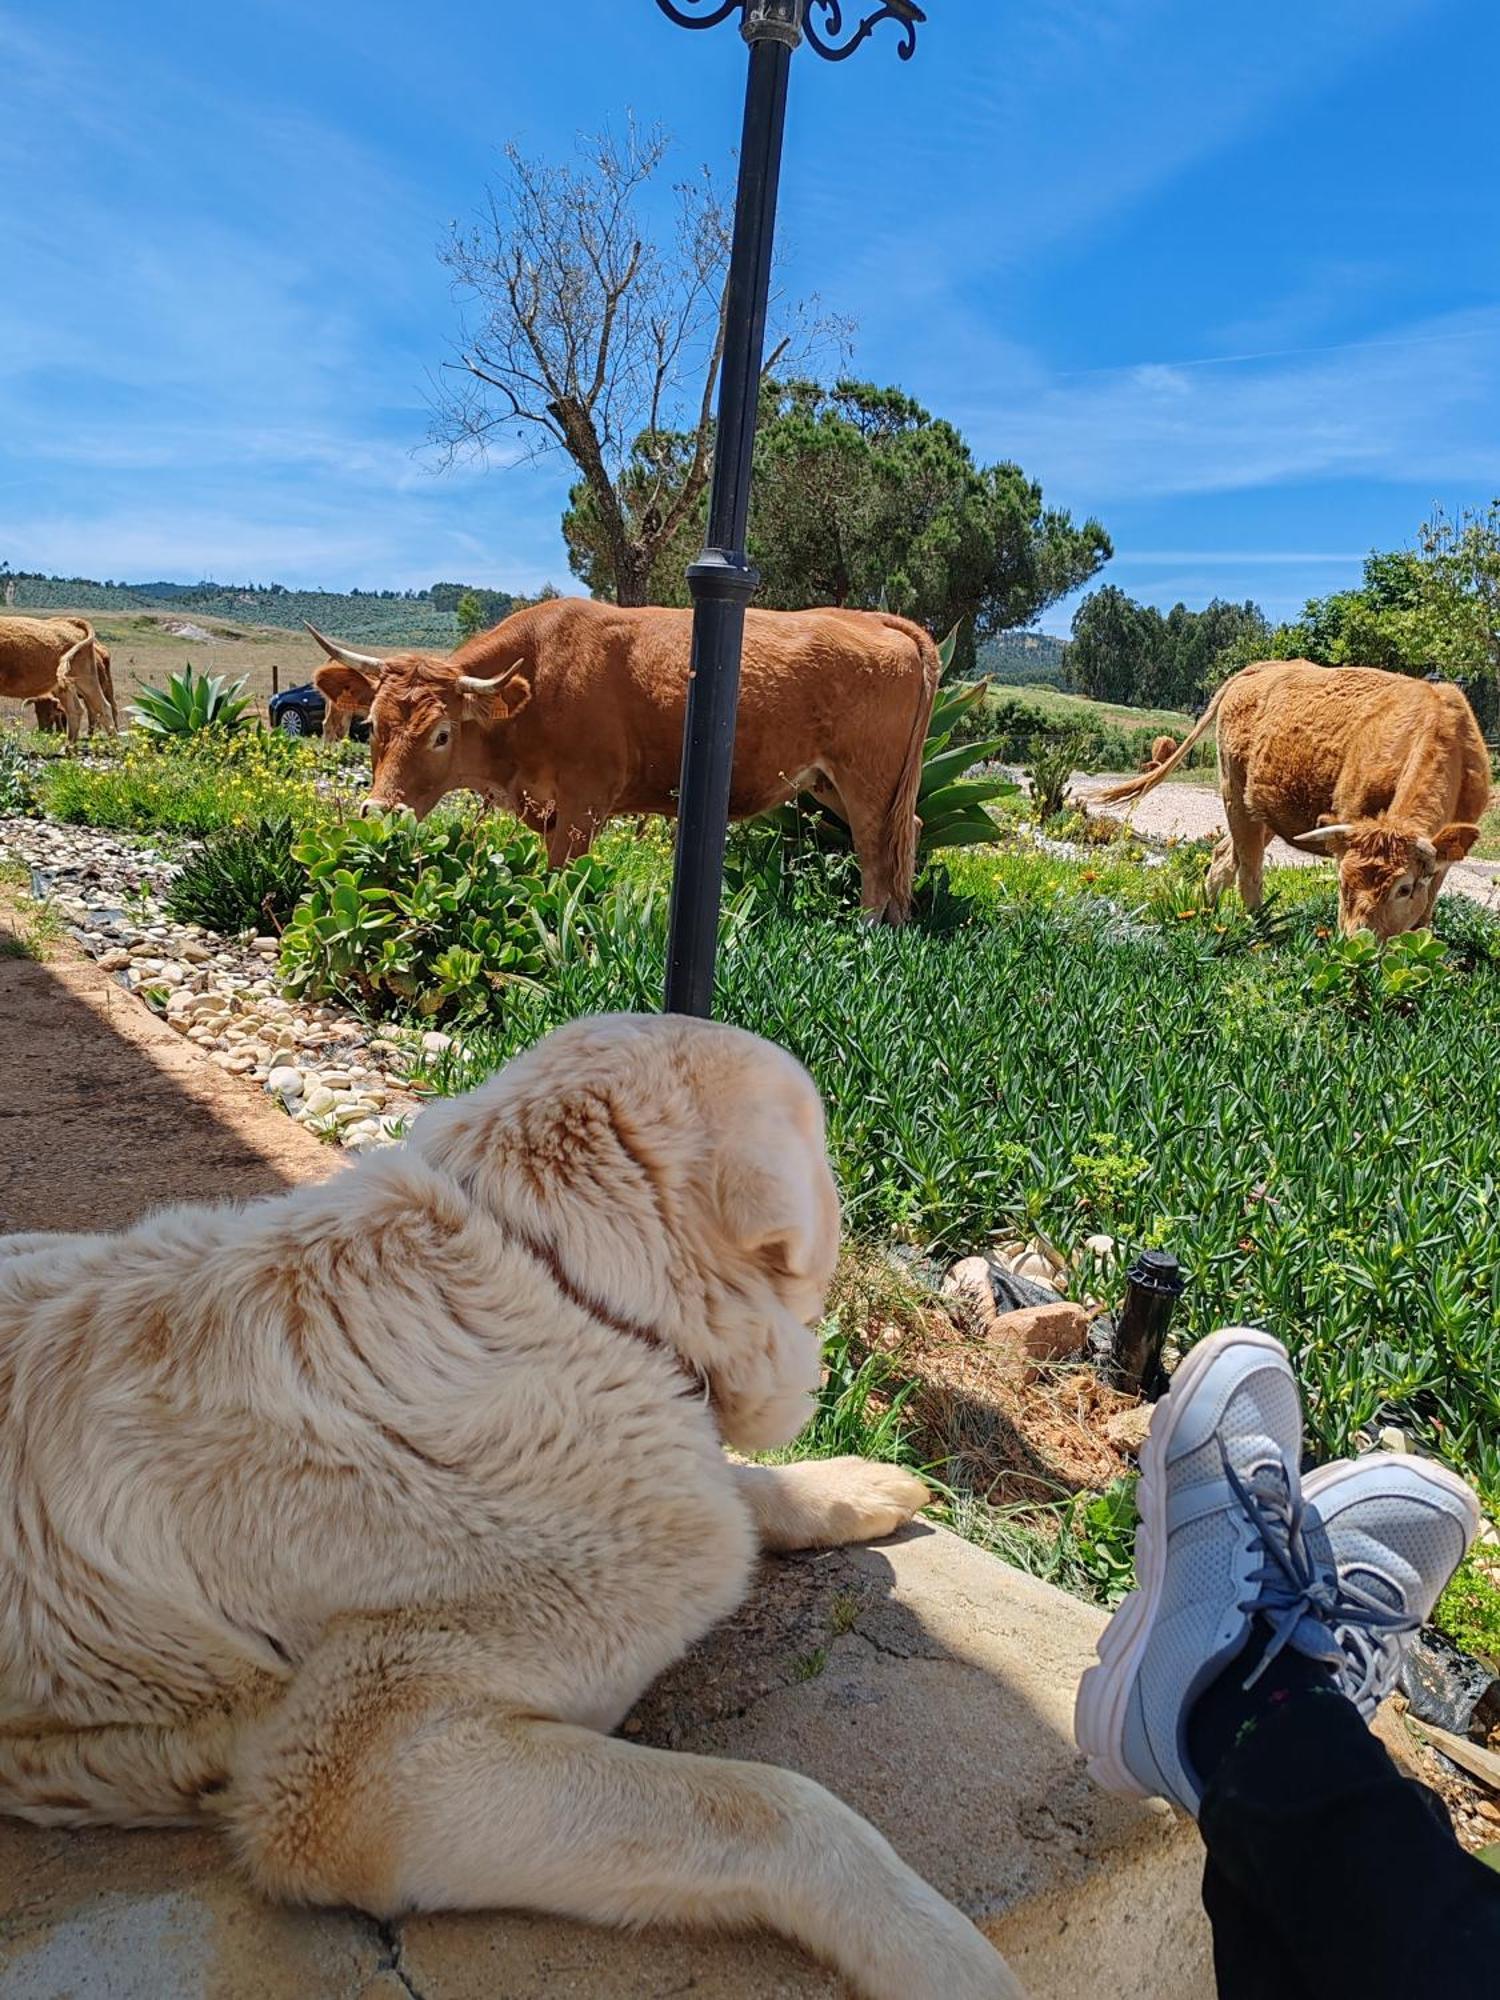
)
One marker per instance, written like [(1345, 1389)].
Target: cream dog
[(356, 1518)]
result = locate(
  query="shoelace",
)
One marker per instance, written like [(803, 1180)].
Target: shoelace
[(1293, 1589), (1367, 1630)]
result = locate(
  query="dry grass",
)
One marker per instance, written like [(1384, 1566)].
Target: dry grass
[(973, 1415)]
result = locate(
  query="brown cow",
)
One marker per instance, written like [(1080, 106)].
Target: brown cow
[(572, 711), (57, 658), (1388, 774), (1161, 749)]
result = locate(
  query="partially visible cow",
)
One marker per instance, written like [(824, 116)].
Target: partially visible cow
[(1389, 775), (572, 711), (1161, 749), (340, 711), (51, 716), (58, 659)]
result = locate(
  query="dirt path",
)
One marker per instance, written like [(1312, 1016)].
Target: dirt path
[(105, 1113), (1194, 812)]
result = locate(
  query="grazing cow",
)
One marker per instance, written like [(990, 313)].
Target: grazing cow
[(1161, 749), (1387, 774), (572, 711), (57, 659), (51, 716)]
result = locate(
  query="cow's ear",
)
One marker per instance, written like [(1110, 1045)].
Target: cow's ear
[(500, 706), (1454, 841), (338, 683)]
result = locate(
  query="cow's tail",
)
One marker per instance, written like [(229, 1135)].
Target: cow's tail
[(66, 662), (902, 827), (1137, 788), (89, 644)]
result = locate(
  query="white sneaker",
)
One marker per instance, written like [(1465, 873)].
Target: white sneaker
[(1399, 1527), (1224, 1537)]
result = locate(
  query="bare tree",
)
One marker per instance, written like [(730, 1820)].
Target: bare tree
[(582, 334)]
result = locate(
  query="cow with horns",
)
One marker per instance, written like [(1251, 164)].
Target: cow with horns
[(1388, 775), (572, 711)]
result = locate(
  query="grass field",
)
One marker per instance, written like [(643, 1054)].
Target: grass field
[(1077, 708)]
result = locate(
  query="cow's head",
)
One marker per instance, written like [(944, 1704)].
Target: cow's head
[(1388, 877), (425, 716)]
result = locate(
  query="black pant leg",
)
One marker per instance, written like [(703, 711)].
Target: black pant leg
[(1331, 1872), (1249, 1962)]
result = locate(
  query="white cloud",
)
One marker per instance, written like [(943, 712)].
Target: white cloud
[(1422, 404)]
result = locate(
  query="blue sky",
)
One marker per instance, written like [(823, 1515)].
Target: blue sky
[(1228, 277)]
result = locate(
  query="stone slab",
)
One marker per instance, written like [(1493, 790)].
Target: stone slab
[(924, 1681)]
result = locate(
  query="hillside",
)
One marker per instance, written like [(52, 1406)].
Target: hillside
[(379, 618), (1022, 659)]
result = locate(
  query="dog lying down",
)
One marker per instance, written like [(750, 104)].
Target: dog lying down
[(355, 1519)]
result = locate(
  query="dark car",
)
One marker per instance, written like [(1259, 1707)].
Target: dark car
[(299, 711)]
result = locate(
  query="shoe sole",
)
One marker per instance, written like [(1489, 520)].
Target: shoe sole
[(1104, 1692)]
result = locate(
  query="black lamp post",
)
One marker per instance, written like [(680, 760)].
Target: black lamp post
[(722, 580)]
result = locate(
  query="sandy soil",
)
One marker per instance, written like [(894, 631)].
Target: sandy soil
[(1193, 812)]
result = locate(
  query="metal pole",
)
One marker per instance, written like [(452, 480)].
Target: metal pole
[(722, 580)]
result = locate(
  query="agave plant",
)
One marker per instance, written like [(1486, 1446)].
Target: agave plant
[(950, 805), (189, 702)]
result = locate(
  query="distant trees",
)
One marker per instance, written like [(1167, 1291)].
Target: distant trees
[(485, 607), (861, 497), (1432, 608), (1126, 652)]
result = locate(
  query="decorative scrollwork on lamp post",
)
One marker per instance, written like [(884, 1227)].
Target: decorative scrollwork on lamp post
[(826, 39), (723, 581)]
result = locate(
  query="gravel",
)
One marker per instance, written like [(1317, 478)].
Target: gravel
[(344, 1079)]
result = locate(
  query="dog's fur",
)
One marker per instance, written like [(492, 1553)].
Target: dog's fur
[(356, 1518)]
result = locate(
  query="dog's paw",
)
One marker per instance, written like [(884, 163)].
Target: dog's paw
[(866, 1500)]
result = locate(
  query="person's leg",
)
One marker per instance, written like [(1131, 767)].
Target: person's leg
[(1237, 1678), (1312, 1830)]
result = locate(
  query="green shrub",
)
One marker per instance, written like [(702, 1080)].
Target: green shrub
[(189, 702), (1370, 976), (953, 806), (196, 784), (18, 776), (242, 878), (189, 786), (437, 917), (1469, 1611), (1053, 760)]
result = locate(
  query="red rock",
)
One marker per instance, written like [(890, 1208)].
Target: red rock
[(1041, 1333)]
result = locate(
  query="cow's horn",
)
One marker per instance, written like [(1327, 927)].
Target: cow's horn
[(1426, 849), (1317, 835), (364, 663), (471, 684)]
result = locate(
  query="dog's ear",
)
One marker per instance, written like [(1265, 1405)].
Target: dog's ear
[(776, 1201)]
